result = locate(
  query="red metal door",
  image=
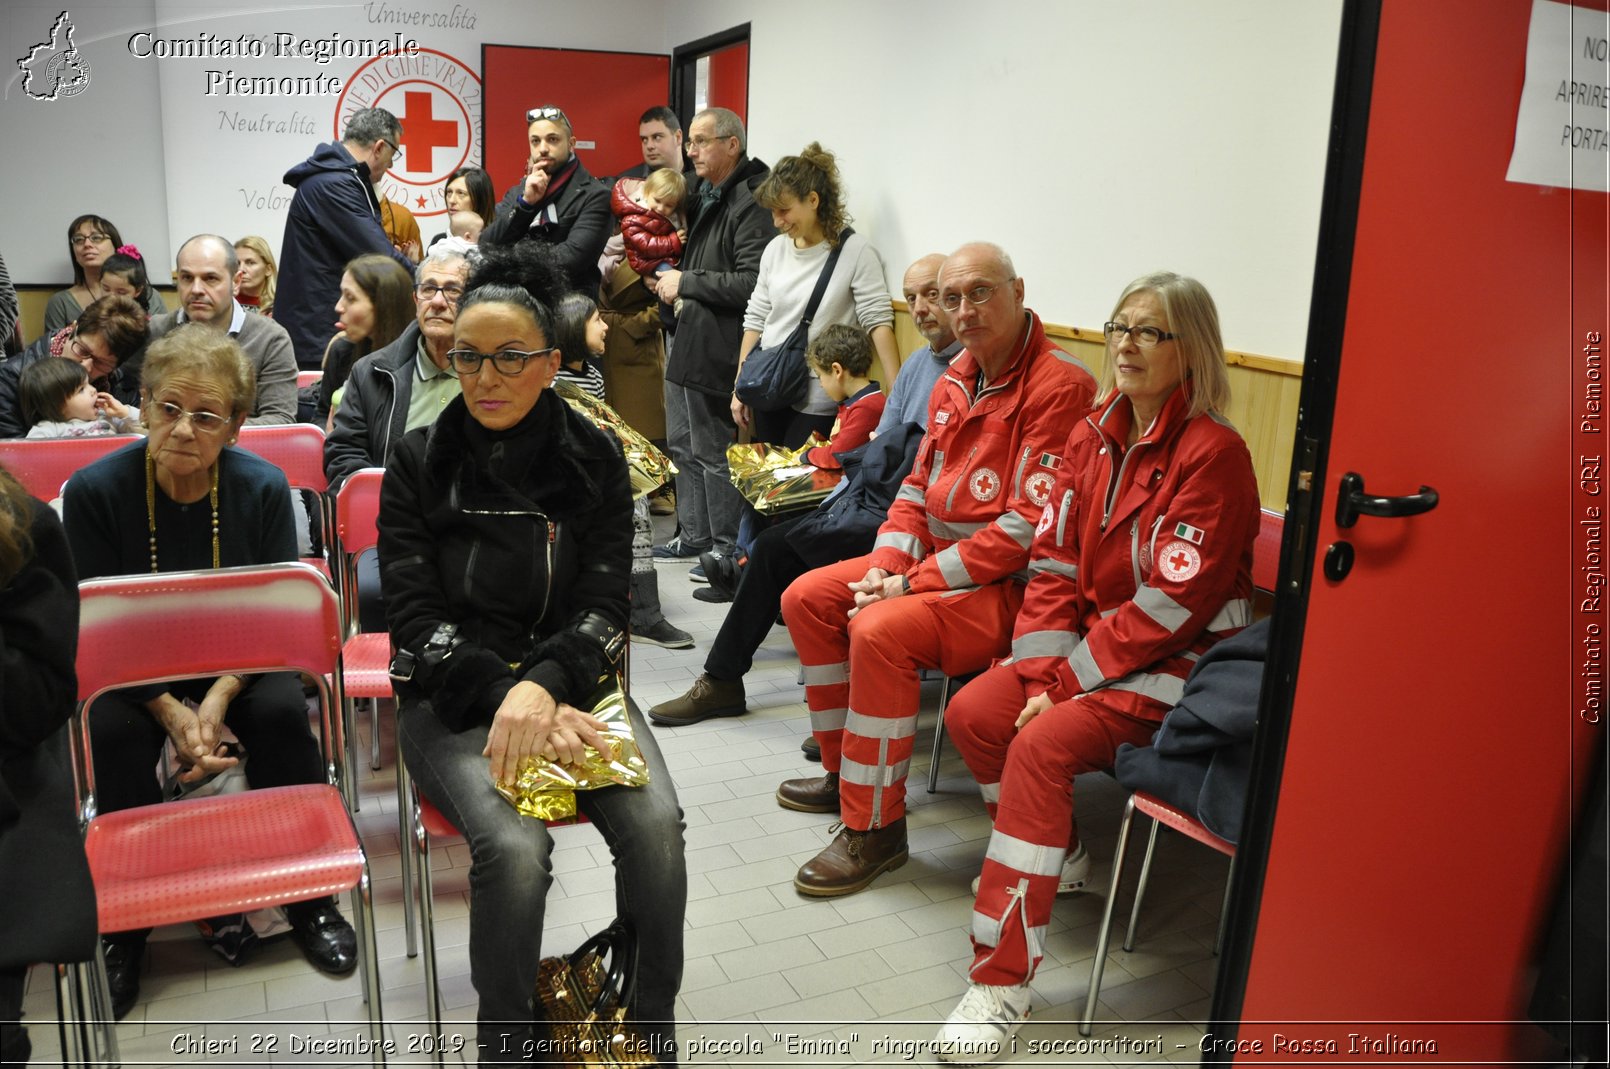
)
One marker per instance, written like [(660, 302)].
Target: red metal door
[(1435, 742)]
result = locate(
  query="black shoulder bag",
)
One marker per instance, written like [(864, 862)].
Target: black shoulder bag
[(777, 378)]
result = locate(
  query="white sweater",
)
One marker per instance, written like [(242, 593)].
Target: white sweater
[(857, 293)]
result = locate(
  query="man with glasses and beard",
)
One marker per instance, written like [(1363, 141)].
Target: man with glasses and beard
[(557, 203)]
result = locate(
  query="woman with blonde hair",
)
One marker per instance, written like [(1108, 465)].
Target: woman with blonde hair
[(256, 276)]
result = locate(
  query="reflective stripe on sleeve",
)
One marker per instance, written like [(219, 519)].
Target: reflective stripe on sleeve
[(1157, 685), (908, 544), (1016, 527), (1237, 613), (910, 493), (1054, 566), (952, 569), (1164, 610), (1044, 644), (1085, 669), (953, 532)]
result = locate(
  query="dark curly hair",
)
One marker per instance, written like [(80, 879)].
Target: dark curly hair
[(812, 171)]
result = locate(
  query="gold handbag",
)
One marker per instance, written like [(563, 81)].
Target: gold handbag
[(547, 789), (776, 480), (583, 1003)]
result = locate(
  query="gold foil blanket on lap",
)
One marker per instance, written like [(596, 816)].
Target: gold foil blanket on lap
[(547, 789), (776, 480)]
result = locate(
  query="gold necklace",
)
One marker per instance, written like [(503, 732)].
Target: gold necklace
[(151, 508)]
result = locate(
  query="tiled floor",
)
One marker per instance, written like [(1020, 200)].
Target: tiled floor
[(852, 978)]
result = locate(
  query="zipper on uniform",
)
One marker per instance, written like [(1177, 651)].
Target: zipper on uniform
[(950, 498)]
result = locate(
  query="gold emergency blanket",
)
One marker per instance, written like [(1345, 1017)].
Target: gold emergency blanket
[(547, 790), (776, 480), (650, 469)]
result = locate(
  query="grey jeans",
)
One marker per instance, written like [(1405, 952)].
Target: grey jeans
[(698, 428), (510, 870)]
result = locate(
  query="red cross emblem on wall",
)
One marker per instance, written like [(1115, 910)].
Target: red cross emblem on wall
[(423, 133)]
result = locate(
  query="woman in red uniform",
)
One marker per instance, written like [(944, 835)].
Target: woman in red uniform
[(1141, 560)]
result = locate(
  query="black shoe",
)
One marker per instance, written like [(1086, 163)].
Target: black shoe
[(713, 594), (811, 749), (324, 935), (665, 634), (725, 572), (123, 961), (231, 937)]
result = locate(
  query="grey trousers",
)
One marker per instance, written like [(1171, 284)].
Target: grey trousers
[(698, 428)]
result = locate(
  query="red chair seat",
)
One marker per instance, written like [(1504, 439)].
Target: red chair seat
[(1181, 822), (366, 660), (164, 864)]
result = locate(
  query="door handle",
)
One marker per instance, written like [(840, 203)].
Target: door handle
[(1352, 502)]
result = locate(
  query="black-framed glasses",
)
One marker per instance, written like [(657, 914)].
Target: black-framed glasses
[(507, 361), (93, 238), (426, 291), (1145, 337), (83, 352), (547, 111), (976, 296), (164, 413), (701, 142), (396, 149)]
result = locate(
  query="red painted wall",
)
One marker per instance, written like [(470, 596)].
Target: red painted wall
[(729, 80)]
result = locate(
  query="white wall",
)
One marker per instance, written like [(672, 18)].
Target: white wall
[(955, 121), (1095, 139)]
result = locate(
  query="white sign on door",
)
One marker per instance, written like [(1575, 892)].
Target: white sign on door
[(1562, 131)]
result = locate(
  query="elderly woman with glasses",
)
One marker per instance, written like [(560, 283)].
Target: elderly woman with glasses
[(505, 557), (180, 500), (105, 336), (91, 239), (1141, 561)]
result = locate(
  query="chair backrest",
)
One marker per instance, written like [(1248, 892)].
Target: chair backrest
[(1266, 550), (43, 465), (177, 625), (297, 449), (357, 508), (304, 379)]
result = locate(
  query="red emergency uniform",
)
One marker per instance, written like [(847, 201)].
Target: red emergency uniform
[(959, 530), (1140, 563)]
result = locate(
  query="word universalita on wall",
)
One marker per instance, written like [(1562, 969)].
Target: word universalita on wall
[(321, 50)]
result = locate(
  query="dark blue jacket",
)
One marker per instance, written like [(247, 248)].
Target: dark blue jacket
[(846, 524), (334, 217)]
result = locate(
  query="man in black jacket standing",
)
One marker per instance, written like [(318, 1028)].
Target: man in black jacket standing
[(557, 203), (334, 217), (729, 231)]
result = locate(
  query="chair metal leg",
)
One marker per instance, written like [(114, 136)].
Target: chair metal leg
[(1100, 963), (374, 734), (406, 822), (347, 748), (95, 1024), (427, 927), (939, 735), (369, 957), (1224, 909), (72, 1018), (1140, 888)]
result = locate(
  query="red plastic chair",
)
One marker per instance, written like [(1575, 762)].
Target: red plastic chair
[(164, 864), (304, 379), (43, 465), (297, 449), (365, 654), (1161, 813)]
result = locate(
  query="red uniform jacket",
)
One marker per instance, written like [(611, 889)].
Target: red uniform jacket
[(965, 516), (650, 238), (1142, 561), (858, 418)]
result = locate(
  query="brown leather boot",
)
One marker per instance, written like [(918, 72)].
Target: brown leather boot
[(707, 697), (853, 860), (817, 794)]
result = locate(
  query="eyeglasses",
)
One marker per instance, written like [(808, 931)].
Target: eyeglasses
[(396, 149), (507, 361), (976, 296), (84, 352), (546, 112), (1145, 337), (426, 291), (93, 238), (701, 142), (163, 413)]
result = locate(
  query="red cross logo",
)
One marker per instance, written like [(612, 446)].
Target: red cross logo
[(1179, 561), (985, 484), (423, 133)]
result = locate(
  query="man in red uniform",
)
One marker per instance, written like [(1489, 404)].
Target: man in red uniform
[(945, 577)]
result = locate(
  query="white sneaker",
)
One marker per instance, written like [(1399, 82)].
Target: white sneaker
[(1075, 872), (978, 1028)]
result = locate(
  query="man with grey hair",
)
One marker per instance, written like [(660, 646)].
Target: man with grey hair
[(204, 274), (406, 384), (727, 233), (334, 216), (557, 202)]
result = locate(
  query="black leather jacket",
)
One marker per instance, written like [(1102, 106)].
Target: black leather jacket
[(521, 539)]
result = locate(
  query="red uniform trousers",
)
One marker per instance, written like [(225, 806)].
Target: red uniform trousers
[(1026, 778), (861, 674)]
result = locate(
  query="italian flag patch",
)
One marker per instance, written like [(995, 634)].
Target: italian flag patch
[(1189, 533)]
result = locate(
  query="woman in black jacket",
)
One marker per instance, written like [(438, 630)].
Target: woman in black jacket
[(505, 554)]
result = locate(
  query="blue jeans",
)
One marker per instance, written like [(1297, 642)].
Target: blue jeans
[(510, 869)]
